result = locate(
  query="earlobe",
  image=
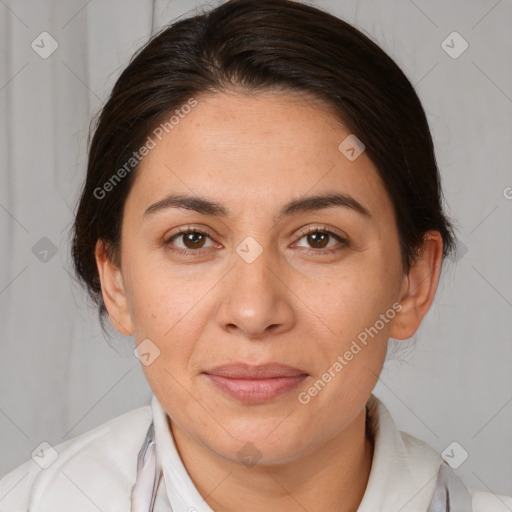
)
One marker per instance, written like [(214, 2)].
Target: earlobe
[(113, 291), (419, 287)]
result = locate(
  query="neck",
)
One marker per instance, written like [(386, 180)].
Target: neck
[(332, 477)]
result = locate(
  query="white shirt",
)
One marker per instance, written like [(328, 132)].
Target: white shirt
[(97, 470)]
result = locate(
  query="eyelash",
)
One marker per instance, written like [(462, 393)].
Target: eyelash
[(199, 252)]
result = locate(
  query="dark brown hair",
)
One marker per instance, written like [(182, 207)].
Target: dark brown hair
[(253, 46)]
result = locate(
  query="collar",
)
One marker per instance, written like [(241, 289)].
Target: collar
[(179, 486), (406, 473), (404, 469)]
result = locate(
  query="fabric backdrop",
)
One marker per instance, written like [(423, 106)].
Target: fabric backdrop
[(59, 377)]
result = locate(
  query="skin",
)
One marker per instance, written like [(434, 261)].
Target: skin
[(294, 304)]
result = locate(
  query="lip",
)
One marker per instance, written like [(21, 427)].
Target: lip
[(260, 371), (255, 384)]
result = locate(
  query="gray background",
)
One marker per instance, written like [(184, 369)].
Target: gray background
[(58, 375)]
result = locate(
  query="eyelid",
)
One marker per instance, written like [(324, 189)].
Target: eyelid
[(187, 229), (322, 228), (342, 239)]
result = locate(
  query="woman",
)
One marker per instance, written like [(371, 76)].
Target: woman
[(262, 212)]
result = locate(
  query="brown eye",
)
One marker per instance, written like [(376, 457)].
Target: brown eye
[(192, 241), (319, 239)]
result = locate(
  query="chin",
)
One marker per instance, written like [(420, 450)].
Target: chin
[(251, 444), (259, 453)]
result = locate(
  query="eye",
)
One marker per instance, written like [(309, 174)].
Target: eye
[(319, 238), (193, 241)]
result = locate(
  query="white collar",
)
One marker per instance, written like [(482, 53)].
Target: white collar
[(181, 490), (404, 469), (402, 476)]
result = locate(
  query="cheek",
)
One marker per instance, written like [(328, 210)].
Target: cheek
[(350, 299), (172, 310), (171, 315), (160, 294)]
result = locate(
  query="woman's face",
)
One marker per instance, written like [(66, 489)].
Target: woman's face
[(256, 288)]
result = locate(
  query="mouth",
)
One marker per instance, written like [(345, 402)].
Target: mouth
[(255, 384)]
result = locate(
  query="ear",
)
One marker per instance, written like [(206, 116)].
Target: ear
[(113, 291), (419, 287)]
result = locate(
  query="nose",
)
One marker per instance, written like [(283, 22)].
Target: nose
[(256, 297)]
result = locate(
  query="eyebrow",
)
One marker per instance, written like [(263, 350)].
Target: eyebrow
[(304, 204)]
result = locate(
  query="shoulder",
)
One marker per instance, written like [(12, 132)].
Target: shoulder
[(484, 501), (425, 457), (97, 468)]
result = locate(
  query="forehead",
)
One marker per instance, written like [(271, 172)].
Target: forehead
[(255, 151)]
